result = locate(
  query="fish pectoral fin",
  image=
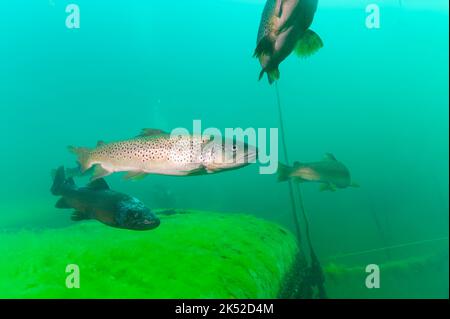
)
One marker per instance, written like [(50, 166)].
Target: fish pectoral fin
[(79, 215), (327, 187), (99, 172), (151, 132), (62, 203), (199, 171), (98, 184), (308, 44), (135, 176)]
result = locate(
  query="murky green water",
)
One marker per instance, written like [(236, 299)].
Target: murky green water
[(375, 98)]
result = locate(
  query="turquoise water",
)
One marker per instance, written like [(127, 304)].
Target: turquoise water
[(375, 98)]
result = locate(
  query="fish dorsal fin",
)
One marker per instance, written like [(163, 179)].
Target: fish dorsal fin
[(70, 181), (151, 132), (98, 184), (297, 164), (100, 143), (329, 157)]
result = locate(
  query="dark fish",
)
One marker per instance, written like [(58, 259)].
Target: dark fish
[(284, 28), (330, 172), (98, 201)]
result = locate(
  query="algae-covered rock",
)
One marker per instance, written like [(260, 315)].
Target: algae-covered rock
[(191, 255)]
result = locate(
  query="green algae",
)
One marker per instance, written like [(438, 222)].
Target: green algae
[(191, 255)]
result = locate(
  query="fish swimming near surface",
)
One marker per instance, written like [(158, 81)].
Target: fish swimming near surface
[(330, 172), (157, 152), (284, 28), (98, 201)]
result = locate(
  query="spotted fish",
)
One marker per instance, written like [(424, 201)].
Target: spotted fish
[(158, 152), (330, 172)]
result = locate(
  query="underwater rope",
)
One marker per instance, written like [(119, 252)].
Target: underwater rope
[(381, 232), (286, 158), (368, 251), (315, 274), (316, 271)]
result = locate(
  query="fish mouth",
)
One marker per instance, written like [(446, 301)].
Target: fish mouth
[(244, 160), (249, 157), (149, 224), (236, 163)]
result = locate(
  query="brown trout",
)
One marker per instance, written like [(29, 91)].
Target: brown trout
[(157, 152)]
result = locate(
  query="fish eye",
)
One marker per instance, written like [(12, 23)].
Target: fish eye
[(234, 148)]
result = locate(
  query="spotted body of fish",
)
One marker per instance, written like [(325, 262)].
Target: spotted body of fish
[(157, 152), (98, 201), (284, 27), (330, 172)]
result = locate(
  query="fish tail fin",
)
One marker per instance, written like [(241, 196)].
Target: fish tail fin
[(83, 154), (284, 172), (272, 75), (60, 182), (308, 44)]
